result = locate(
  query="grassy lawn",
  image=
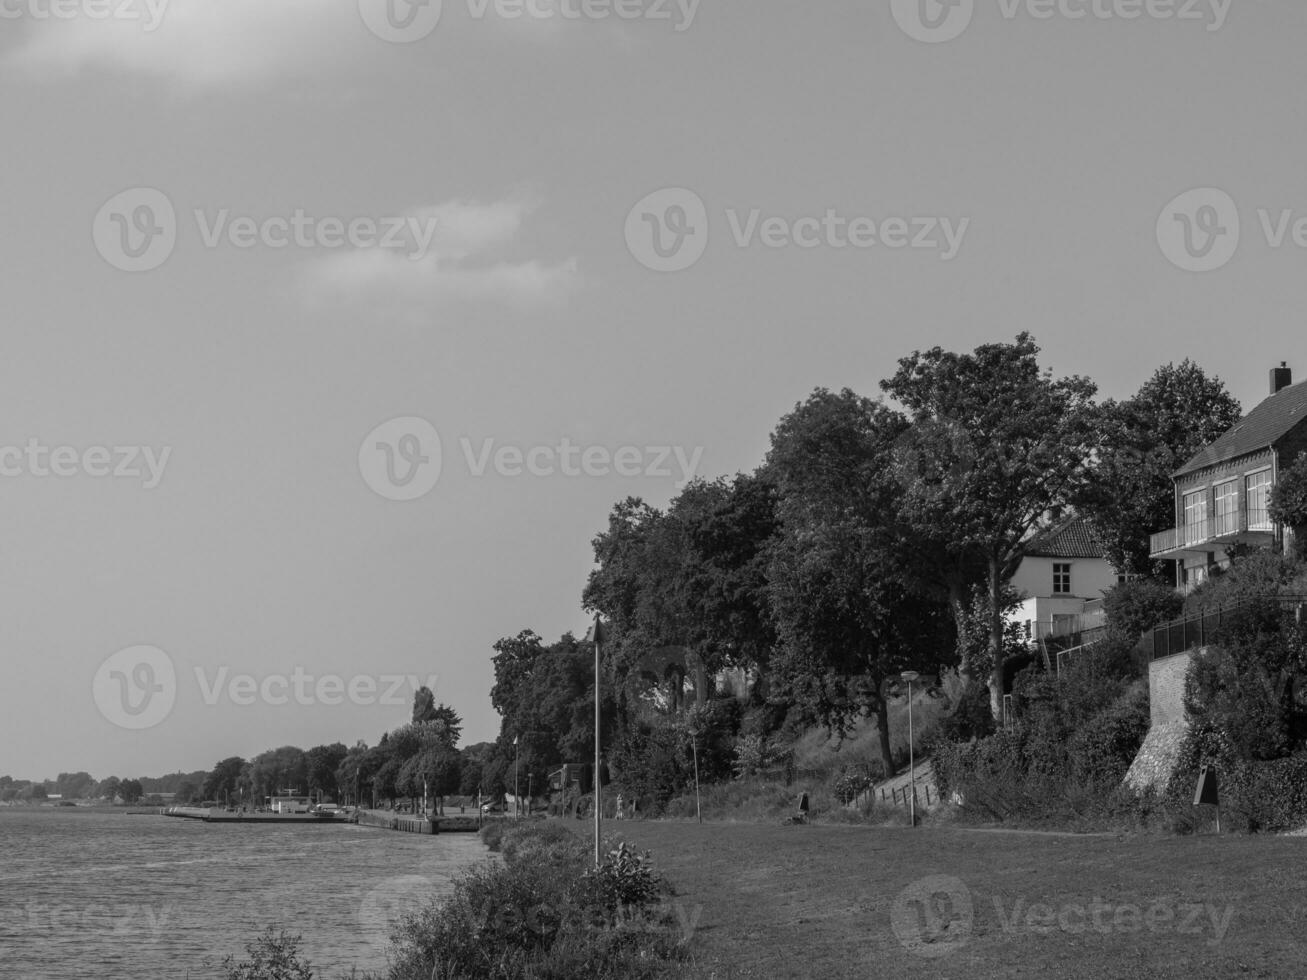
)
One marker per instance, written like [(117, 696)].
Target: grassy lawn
[(827, 901)]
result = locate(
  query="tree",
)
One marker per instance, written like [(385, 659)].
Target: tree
[(1243, 684), (74, 785), (1130, 495), (1288, 505), (440, 717), (545, 695), (321, 764), (847, 624), (276, 770), (131, 791), (350, 781), (224, 779), (999, 449), (108, 788), (1136, 607)]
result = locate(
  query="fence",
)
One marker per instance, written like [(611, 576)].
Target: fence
[(903, 797), (1196, 631)]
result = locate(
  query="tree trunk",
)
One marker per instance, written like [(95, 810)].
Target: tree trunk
[(996, 638), (957, 603), (882, 728)]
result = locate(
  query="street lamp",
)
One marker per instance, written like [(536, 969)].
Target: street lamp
[(910, 676)]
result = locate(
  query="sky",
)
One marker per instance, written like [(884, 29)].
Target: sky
[(333, 329)]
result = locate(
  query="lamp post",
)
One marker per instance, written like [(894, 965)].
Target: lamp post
[(910, 676)]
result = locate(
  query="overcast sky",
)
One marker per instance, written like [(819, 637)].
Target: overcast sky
[(241, 237)]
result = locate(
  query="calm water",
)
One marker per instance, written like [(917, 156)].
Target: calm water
[(108, 895)]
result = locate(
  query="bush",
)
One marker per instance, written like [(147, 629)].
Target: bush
[(1255, 796), (625, 880), (1061, 760), (1136, 607), (541, 914), (1105, 748), (272, 956)]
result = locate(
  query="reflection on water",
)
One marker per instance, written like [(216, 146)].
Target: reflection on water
[(105, 894)]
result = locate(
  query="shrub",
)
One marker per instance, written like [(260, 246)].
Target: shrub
[(1288, 504), (538, 915), (1136, 607), (625, 880), (1105, 748), (272, 956)]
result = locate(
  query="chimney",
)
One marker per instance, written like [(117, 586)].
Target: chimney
[(1281, 378)]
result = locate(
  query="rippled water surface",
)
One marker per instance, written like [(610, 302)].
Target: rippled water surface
[(107, 895)]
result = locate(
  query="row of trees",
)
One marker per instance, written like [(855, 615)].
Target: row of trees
[(874, 539), (420, 755), (72, 786)]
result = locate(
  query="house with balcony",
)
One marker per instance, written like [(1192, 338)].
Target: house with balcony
[(1222, 495), (1063, 577)]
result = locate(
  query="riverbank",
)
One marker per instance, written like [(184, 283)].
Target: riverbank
[(769, 901)]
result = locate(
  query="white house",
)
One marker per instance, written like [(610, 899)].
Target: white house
[(1063, 578)]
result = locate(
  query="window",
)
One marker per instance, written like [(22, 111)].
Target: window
[(1227, 507), (1195, 517), (1061, 579), (1258, 496)]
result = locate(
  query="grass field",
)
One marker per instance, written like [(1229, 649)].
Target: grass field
[(828, 901)]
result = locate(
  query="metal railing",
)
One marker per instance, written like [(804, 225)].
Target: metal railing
[(1199, 629), (1210, 530)]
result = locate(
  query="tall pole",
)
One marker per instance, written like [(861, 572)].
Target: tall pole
[(694, 747), (598, 791), (910, 676), (517, 804), (912, 760)]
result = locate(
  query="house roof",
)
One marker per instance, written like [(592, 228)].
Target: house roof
[(1073, 537), (1264, 426)]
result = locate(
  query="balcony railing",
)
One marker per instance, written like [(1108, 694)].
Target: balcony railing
[(1213, 530)]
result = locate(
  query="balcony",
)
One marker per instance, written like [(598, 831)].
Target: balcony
[(1207, 535)]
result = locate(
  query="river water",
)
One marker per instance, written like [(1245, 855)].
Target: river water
[(109, 895)]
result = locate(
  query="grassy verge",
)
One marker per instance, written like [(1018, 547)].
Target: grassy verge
[(772, 901)]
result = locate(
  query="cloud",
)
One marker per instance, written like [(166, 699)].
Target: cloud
[(198, 43), (458, 265)]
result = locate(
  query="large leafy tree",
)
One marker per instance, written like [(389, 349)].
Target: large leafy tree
[(545, 696), (439, 717), (846, 621), (321, 764), (1145, 439), (1288, 505), (998, 449), (223, 779)]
